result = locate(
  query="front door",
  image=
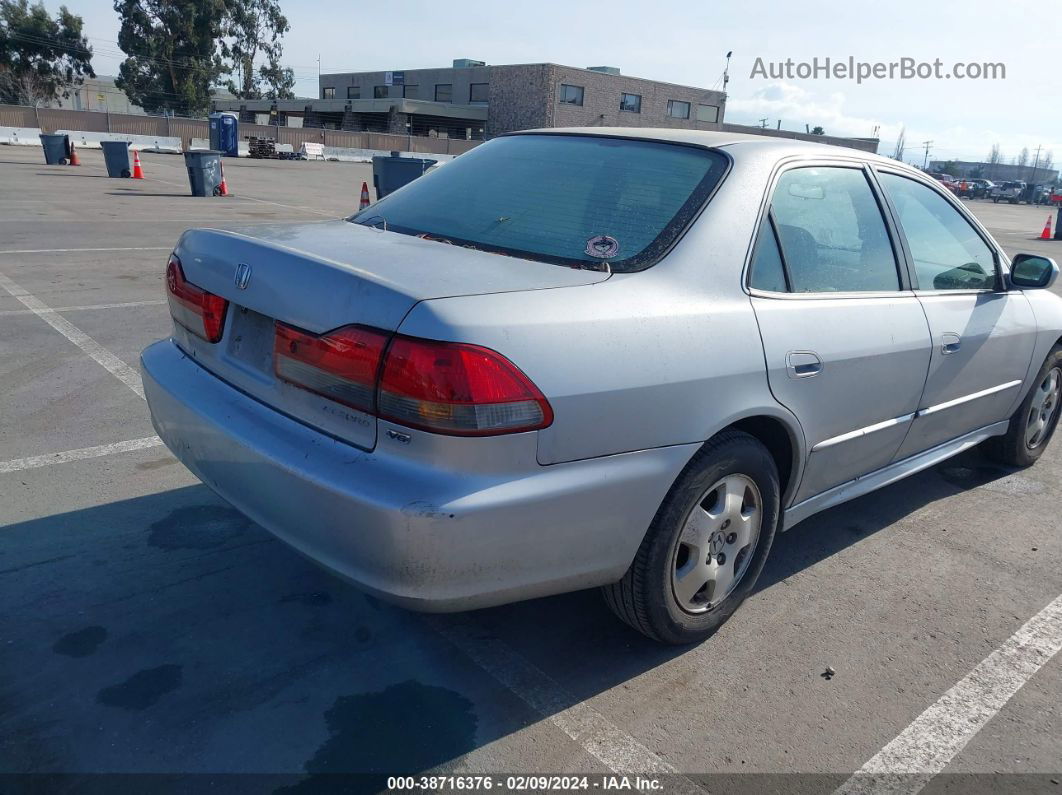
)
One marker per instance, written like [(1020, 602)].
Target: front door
[(846, 343), (983, 336)]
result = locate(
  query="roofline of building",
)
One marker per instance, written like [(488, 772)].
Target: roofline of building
[(420, 107)]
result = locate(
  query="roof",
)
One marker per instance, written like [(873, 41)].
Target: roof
[(777, 146)]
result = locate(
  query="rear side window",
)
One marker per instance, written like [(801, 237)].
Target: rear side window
[(832, 233), (948, 254), (768, 272), (573, 200)]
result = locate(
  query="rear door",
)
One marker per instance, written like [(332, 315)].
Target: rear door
[(845, 339), (983, 335)]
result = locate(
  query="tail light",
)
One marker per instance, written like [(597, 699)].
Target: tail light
[(445, 387), (342, 365), (200, 312)]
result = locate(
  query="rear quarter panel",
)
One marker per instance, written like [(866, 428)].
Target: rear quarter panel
[(666, 356)]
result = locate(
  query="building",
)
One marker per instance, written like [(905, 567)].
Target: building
[(101, 94), (997, 172), (472, 100)]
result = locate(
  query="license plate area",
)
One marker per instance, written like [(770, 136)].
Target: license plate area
[(250, 341)]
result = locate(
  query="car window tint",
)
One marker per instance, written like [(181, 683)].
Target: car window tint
[(948, 254), (832, 232), (768, 272), (575, 200)]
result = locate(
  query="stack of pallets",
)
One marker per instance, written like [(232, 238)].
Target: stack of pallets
[(263, 148)]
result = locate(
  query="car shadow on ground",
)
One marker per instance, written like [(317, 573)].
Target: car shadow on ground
[(169, 632)]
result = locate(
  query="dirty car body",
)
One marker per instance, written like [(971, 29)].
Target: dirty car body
[(630, 333)]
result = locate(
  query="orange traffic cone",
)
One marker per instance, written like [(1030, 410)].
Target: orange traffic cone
[(223, 188), (138, 171), (1046, 234), (364, 196), (74, 159)]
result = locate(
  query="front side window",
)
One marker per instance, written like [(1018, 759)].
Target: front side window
[(948, 254), (477, 93), (572, 200), (570, 95), (444, 92), (631, 103), (678, 110), (832, 233), (380, 92), (328, 93)]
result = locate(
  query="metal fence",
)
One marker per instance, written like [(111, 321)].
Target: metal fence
[(52, 119)]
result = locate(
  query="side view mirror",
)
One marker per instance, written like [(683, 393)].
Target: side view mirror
[(1033, 272)]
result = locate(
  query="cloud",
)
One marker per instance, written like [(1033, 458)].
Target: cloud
[(796, 106)]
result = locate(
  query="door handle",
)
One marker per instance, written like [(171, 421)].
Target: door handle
[(803, 364), (950, 343)]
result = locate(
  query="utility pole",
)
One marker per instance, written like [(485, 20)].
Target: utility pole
[(1036, 162), (763, 123), (726, 71), (925, 162)]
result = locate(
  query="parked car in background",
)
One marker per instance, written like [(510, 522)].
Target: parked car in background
[(1010, 191), (621, 357), (1056, 196), (981, 188)]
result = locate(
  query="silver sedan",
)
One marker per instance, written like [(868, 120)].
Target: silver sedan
[(600, 357)]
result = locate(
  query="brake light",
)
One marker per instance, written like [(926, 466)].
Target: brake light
[(445, 387), (341, 365), (459, 389), (200, 312)]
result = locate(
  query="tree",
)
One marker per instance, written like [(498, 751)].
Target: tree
[(253, 28), (817, 131), (1049, 161), (901, 142), (41, 58), (171, 46), (1023, 158), (996, 155)]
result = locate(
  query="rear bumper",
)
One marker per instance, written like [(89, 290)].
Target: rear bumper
[(406, 529)]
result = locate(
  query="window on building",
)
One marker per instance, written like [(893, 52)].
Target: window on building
[(380, 92), (328, 93), (570, 95), (678, 110), (444, 92), (708, 113), (353, 92), (410, 91), (631, 103), (477, 93)]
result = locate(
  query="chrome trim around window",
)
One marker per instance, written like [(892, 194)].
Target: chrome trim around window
[(861, 432), (967, 398)]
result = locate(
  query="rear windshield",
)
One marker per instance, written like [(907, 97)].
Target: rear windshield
[(574, 200)]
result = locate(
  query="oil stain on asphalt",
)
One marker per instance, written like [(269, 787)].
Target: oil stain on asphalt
[(143, 689), (404, 729), (81, 643), (198, 527)]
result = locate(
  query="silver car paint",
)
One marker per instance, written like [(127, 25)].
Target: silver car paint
[(640, 370)]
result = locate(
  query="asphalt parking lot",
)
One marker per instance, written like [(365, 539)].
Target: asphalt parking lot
[(148, 628)]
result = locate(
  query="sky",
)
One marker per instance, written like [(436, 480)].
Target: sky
[(686, 43)]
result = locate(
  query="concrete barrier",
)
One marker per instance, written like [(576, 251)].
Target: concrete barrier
[(149, 143), (20, 136)]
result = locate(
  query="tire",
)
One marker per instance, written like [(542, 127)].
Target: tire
[(1034, 423), (648, 597), (125, 173), (63, 161)]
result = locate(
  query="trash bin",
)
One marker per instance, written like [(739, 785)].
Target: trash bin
[(204, 172), (56, 149), (116, 156), (389, 173), (1058, 224)]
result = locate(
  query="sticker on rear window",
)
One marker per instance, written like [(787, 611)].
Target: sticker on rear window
[(602, 246)]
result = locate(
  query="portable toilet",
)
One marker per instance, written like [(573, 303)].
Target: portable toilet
[(225, 133)]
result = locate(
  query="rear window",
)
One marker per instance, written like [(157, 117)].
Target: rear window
[(574, 200)]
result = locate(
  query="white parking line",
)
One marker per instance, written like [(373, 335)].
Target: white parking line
[(35, 461), (69, 250), (597, 735), (936, 736), (115, 366), (82, 307)]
